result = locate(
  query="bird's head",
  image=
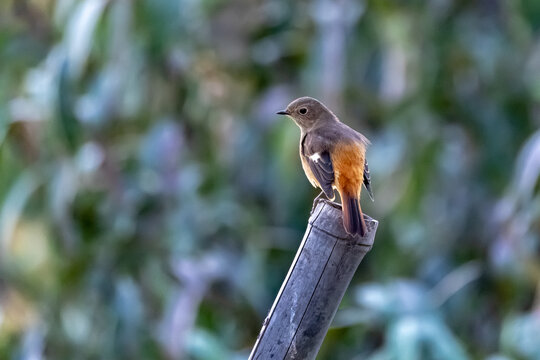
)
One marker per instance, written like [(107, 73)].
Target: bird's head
[(307, 112)]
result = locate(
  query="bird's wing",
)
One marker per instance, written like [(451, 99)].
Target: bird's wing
[(367, 180), (320, 163)]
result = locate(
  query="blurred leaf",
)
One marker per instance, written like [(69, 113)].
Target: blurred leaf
[(80, 35), (13, 207), (3, 128), (69, 125), (519, 336), (204, 345)]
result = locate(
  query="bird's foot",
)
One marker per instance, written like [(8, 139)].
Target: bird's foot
[(322, 197)]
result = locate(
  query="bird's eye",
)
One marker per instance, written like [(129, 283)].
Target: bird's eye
[(302, 111)]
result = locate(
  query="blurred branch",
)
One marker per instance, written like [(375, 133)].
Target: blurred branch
[(196, 276), (455, 281), (515, 214)]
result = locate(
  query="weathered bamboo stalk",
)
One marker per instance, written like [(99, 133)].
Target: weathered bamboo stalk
[(310, 294)]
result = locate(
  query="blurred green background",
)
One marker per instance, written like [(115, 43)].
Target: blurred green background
[(151, 201)]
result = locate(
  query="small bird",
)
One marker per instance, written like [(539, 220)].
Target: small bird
[(333, 157)]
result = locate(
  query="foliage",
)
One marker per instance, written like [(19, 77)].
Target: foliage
[(152, 201)]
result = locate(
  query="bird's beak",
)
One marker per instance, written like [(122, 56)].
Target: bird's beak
[(283, 112)]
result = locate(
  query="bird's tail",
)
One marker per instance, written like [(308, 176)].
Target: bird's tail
[(353, 219)]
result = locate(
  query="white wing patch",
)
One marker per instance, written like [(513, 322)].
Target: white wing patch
[(315, 157)]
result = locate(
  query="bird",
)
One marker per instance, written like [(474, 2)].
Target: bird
[(333, 157)]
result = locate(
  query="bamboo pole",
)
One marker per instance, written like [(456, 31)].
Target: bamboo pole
[(314, 286)]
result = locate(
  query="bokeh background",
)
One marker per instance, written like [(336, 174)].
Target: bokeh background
[(151, 201)]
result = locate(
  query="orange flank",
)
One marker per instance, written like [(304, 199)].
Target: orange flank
[(348, 160)]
